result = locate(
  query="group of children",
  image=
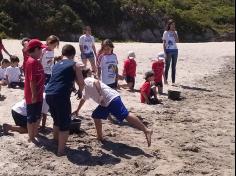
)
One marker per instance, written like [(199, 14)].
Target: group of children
[(42, 71)]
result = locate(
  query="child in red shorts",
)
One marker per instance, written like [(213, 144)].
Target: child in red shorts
[(129, 72), (158, 69)]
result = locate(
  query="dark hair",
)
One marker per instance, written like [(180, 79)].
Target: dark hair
[(108, 42), (24, 40), (169, 23), (53, 39), (14, 59), (6, 61), (85, 28), (31, 50), (85, 72), (148, 75), (68, 50)]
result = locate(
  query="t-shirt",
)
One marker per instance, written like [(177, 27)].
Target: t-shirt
[(62, 79), (2, 73), (168, 36), (158, 68), (87, 41), (146, 88), (130, 67), (21, 109), (13, 74), (108, 65), (90, 91), (47, 61), (34, 72)]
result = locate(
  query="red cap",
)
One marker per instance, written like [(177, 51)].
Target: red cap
[(34, 43)]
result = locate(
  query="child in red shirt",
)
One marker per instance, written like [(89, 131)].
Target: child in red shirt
[(148, 91), (34, 87), (129, 72), (158, 69)]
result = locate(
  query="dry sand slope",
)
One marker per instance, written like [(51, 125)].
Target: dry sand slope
[(194, 136)]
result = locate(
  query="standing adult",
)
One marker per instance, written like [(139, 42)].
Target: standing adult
[(34, 87), (87, 48), (58, 91), (170, 38)]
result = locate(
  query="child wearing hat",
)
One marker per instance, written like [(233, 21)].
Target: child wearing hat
[(129, 72), (148, 90), (34, 87), (158, 69)]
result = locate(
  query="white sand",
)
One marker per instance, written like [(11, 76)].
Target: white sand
[(192, 137)]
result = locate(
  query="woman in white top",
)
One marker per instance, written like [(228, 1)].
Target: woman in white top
[(88, 49), (170, 38)]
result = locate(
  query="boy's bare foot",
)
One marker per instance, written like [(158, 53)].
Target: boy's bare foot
[(148, 135), (5, 128), (61, 153)]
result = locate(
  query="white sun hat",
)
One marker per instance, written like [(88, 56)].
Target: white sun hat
[(161, 56), (131, 55)]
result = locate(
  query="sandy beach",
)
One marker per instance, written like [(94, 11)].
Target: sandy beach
[(194, 136)]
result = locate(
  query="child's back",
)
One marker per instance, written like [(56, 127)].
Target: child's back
[(158, 69)]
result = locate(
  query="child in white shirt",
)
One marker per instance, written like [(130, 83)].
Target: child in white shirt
[(109, 102), (47, 59), (13, 74)]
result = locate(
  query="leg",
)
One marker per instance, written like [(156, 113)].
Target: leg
[(98, 125), (55, 133), (63, 137), (167, 66), (160, 90), (93, 65), (44, 119), (84, 62), (30, 128), (138, 124), (19, 129), (174, 62)]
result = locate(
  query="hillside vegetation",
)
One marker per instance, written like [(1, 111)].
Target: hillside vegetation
[(121, 20)]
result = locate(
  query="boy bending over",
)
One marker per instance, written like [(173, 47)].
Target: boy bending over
[(109, 103)]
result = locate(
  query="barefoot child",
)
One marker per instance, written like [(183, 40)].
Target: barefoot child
[(148, 91), (48, 56), (5, 63), (109, 103), (129, 72), (34, 88), (13, 74), (158, 69), (19, 115)]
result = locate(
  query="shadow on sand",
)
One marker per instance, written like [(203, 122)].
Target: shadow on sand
[(195, 88)]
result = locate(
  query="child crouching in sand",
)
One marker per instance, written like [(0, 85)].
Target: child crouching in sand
[(148, 90), (109, 103)]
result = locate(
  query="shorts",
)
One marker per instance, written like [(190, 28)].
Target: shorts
[(19, 119), (34, 112), (47, 78), (114, 85), (116, 108), (60, 109), (159, 84), (89, 56), (130, 79)]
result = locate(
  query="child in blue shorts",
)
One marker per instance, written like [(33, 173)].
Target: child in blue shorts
[(109, 103)]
